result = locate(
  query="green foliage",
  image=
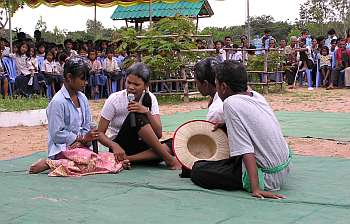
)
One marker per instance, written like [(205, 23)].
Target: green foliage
[(318, 16), (294, 32), (219, 33), (126, 37), (159, 53), (275, 61), (279, 29), (179, 25), (256, 63), (58, 35), (20, 104)]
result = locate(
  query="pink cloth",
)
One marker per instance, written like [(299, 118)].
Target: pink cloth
[(80, 162)]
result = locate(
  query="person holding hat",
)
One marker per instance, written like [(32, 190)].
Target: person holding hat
[(205, 80), (259, 156), (132, 116)]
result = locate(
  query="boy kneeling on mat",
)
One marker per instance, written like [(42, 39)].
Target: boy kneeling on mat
[(259, 155)]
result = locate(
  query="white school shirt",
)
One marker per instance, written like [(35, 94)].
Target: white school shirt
[(96, 66), (216, 111), (49, 67), (252, 127), (236, 56), (115, 110), (110, 65), (23, 65), (59, 68)]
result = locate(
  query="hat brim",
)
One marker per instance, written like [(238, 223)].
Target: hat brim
[(195, 140)]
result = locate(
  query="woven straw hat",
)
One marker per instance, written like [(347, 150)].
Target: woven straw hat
[(195, 141)]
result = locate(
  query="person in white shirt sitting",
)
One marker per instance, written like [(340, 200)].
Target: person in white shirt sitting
[(132, 116), (205, 80), (49, 69)]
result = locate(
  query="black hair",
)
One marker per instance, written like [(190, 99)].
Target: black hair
[(92, 50), (37, 32), (204, 70), (62, 56), (227, 37), (333, 41), (325, 48), (83, 48), (67, 41), (234, 74), (110, 51), (243, 37), (304, 32), (49, 52), (331, 32), (21, 36), (320, 38), (219, 41), (251, 47), (77, 66), (142, 71), (20, 46)]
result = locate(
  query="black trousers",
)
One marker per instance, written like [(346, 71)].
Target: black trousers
[(223, 174), (129, 139), (290, 74)]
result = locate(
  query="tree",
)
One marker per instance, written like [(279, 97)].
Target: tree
[(278, 29), (219, 33), (5, 7), (320, 15), (41, 25), (341, 12)]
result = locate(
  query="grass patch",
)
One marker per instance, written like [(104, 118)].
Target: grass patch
[(21, 104)]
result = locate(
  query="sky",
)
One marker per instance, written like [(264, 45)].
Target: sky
[(226, 13)]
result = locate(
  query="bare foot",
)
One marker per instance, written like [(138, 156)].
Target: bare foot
[(126, 164), (174, 165), (39, 166)]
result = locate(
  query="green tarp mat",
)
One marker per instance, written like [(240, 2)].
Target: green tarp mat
[(325, 125), (317, 189)]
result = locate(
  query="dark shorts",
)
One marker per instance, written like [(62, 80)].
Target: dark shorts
[(115, 76), (223, 174)]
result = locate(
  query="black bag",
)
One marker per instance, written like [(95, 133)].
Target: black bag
[(116, 76), (309, 63)]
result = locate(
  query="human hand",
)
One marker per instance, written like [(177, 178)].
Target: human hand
[(91, 136), (126, 164), (218, 125), (76, 145), (267, 194), (137, 107), (119, 154)]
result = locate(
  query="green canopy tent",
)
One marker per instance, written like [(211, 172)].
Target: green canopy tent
[(143, 12)]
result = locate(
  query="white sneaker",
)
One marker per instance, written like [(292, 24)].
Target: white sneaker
[(310, 88)]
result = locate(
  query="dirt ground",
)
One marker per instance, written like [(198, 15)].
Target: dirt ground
[(20, 141)]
